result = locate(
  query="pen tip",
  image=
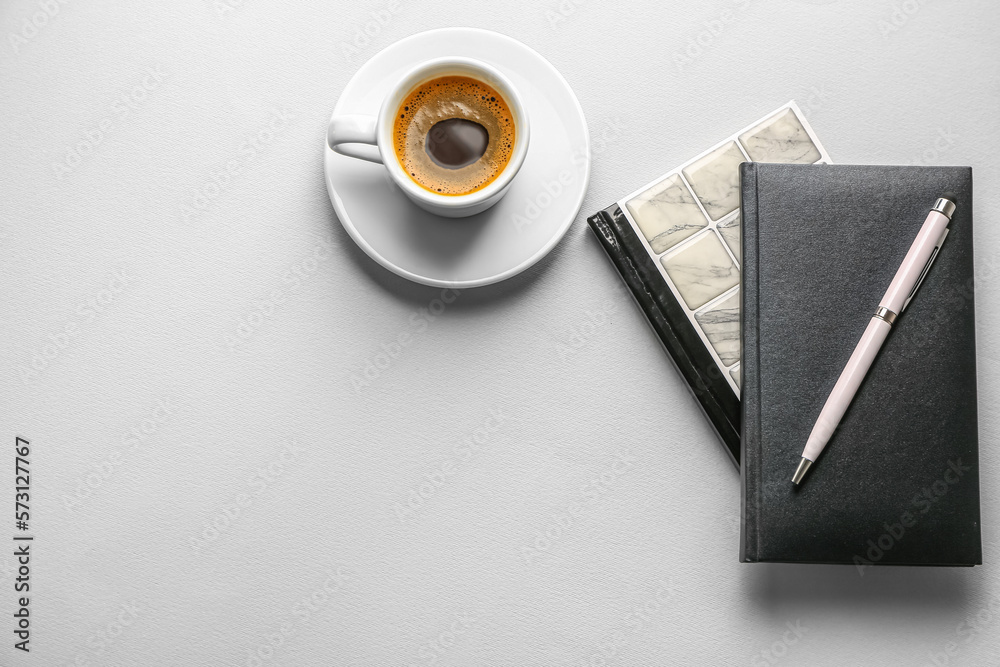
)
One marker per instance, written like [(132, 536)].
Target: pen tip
[(800, 472)]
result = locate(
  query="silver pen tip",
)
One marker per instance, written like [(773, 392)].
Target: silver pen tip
[(800, 472)]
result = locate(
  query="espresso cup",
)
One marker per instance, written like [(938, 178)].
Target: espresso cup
[(354, 135)]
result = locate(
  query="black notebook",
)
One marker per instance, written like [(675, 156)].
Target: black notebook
[(898, 484)]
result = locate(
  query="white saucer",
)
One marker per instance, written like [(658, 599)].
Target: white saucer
[(509, 237)]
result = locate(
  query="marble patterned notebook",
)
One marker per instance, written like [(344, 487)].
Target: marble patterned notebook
[(676, 243)]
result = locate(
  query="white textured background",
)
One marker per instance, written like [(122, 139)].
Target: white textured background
[(596, 524)]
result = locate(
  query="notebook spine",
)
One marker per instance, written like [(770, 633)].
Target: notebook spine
[(645, 284), (750, 327)]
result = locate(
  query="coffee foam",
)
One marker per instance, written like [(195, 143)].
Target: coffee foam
[(453, 97)]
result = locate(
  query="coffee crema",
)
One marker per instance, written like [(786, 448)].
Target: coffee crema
[(453, 135)]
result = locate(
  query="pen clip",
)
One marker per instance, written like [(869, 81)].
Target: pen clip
[(927, 266)]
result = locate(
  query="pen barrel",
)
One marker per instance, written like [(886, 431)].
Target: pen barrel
[(847, 386), (916, 259)]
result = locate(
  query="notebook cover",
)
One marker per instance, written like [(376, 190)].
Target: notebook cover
[(899, 482), (665, 315)]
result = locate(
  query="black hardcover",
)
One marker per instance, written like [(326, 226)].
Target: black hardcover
[(669, 321), (898, 484)]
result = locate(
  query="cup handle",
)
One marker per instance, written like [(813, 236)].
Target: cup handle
[(354, 136)]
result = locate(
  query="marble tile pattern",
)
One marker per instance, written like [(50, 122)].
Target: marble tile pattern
[(666, 214), (730, 230), (780, 138), (692, 248), (715, 179), (701, 270), (721, 323)]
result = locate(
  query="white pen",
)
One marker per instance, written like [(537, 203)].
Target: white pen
[(908, 278)]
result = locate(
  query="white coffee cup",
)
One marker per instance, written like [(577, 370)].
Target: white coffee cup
[(353, 135)]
